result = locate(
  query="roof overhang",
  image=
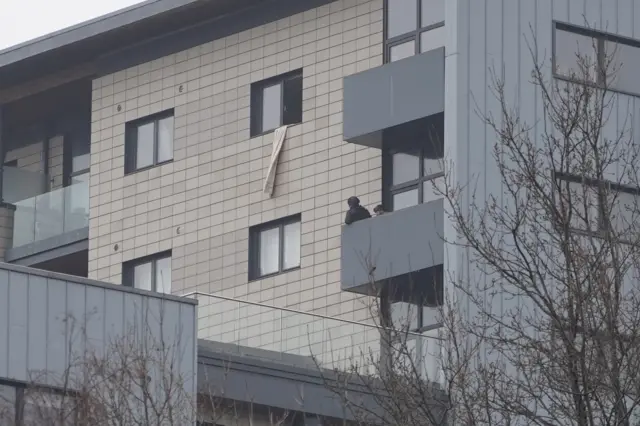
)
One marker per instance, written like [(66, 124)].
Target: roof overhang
[(83, 45)]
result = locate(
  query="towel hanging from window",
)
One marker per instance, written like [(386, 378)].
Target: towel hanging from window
[(270, 179)]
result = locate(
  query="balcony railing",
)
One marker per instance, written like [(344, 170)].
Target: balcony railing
[(333, 343), (51, 214)]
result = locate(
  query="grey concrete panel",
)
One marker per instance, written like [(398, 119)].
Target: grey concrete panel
[(396, 243), (393, 94)]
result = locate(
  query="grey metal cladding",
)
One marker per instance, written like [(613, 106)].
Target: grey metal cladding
[(47, 319), (393, 94), (397, 243)]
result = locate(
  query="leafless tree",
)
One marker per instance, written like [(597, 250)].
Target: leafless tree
[(541, 317), (136, 378)]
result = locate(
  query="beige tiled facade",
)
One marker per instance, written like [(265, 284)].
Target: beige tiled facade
[(202, 204)]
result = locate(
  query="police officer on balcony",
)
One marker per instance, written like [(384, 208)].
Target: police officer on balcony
[(356, 212)]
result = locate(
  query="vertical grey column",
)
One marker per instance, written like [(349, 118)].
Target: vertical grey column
[(6, 210)]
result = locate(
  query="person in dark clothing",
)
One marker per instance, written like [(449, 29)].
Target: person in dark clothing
[(356, 212)]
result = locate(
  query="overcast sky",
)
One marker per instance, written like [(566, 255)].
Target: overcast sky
[(22, 20)]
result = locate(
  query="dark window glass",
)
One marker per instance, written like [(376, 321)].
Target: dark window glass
[(149, 141), (151, 273), (274, 247), (292, 97), (276, 102)]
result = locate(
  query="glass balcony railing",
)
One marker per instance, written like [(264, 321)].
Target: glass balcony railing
[(333, 343), (51, 214)]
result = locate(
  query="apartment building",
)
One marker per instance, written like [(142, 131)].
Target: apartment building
[(207, 148), (143, 159)]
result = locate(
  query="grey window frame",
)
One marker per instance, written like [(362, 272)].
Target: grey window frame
[(601, 38), (387, 300), (131, 141), (388, 188), (600, 185), (403, 38), (257, 95), (254, 246), (128, 269)]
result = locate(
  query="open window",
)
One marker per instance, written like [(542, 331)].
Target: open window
[(276, 102)]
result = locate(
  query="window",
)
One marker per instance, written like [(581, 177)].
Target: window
[(149, 142), (603, 59), (8, 402), (151, 273), (274, 247), (26, 406), (595, 206), (276, 102), (413, 26), (47, 407), (411, 299), (412, 164)]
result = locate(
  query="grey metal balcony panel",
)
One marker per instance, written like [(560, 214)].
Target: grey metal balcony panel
[(395, 243), (393, 94)]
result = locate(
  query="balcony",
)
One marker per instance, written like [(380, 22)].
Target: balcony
[(394, 245), (45, 149), (393, 94), (328, 342), (44, 220)]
